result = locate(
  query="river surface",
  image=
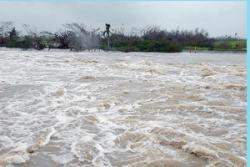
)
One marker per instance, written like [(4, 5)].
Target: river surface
[(61, 108)]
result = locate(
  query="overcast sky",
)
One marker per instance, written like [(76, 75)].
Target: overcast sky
[(217, 17)]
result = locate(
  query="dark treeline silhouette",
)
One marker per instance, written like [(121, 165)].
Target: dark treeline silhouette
[(155, 39), (77, 37)]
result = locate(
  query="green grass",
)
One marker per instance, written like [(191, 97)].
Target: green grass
[(222, 45), (230, 45), (144, 46), (197, 48)]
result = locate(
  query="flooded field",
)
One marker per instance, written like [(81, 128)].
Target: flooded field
[(60, 108)]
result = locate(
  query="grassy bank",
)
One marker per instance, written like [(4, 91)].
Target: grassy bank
[(161, 46), (230, 45)]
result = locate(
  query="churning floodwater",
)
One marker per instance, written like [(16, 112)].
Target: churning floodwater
[(61, 108)]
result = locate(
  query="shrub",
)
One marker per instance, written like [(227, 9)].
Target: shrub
[(25, 43)]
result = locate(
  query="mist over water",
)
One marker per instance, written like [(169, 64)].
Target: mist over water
[(61, 108)]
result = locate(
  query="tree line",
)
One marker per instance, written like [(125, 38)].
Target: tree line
[(78, 37)]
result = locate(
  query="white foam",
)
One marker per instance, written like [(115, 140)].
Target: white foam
[(79, 101)]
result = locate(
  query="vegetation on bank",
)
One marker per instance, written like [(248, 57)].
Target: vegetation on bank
[(230, 45), (77, 37)]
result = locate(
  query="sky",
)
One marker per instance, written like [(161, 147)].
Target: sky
[(218, 18)]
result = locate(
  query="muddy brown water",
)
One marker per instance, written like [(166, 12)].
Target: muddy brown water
[(61, 108)]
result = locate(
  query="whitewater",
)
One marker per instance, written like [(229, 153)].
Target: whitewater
[(62, 108)]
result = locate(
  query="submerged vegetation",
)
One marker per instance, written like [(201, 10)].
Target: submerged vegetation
[(77, 37)]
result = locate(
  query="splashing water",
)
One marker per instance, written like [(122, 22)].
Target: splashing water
[(122, 109)]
